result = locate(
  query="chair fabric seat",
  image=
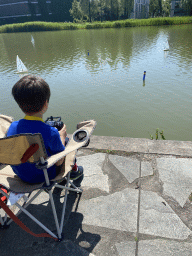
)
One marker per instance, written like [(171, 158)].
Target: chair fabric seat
[(13, 183)]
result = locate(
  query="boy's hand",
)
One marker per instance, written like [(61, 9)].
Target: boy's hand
[(63, 132)]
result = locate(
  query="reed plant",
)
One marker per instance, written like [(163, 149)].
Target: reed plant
[(157, 132), (50, 26)]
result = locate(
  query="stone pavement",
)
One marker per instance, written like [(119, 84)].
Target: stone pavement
[(136, 202)]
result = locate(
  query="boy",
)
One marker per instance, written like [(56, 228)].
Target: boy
[(32, 95)]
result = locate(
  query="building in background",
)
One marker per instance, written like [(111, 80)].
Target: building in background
[(29, 10), (176, 9), (16, 10), (141, 9)]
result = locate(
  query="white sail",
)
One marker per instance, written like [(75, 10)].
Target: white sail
[(32, 40), (20, 66), (167, 47)]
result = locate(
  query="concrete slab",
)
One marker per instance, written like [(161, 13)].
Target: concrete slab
[(176, 174), (159, 219), (170, 147), (130, 167), (93, 174), (126, 248), (70, 249), (116, 211), (110, 221), (60, 249), (160, 247), (141, 145), (119, 143), (127, 166), (146, 169)]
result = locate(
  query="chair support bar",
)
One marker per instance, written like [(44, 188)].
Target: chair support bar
[(36, 220)]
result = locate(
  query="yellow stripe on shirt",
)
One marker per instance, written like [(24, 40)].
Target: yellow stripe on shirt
[(33, 118)]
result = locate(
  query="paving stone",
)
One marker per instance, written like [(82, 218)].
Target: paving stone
[(93, 174), (70, 249), (127, 166), (158, 219), (61, 249), (116, 211), (126, 248), (176, 174), (146, 169), (160, 247)]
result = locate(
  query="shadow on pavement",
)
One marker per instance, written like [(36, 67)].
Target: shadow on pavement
[(15, 241)]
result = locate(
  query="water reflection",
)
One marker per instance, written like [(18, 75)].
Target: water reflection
[(67, 48), (99, 74)]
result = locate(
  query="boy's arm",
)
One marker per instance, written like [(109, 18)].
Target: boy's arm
[(63, 135)]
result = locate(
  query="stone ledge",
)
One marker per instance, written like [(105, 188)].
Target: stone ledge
[(141, 145)]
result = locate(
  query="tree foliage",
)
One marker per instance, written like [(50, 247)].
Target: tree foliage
[(159, 8), (102, 9), (154, 8), (75, 11), (166, 8), (187, 6)]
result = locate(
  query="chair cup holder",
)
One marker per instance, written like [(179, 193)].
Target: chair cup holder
[(80, 136)]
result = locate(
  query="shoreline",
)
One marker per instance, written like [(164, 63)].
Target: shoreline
[(124, 145), (56, 26)]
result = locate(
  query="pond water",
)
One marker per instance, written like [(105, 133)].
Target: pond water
[(98, 74)]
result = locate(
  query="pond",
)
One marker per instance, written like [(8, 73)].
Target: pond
[(98, 74)]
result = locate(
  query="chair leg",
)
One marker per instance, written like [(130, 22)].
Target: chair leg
[(1, 221), (64, 204), (36, 220), (26, 204), (54, 214)]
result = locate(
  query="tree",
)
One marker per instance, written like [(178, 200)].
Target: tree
[(90, 9), (155, 8), (76, 12), (160, 7), (101, 8), (187, 6), (166, 8)]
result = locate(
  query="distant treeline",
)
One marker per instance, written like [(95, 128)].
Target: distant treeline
[(104, 10), (101, 10), (79, 11)]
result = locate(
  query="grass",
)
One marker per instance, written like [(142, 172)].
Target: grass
[(157, 135), (51, 26)]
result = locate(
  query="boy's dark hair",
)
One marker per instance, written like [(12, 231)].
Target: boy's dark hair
[(31, 93)]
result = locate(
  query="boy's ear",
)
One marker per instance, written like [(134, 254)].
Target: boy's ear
[(46, 103), (45, 107)]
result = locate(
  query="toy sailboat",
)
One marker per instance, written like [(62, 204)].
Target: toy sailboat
[(32, 40), (20, 66), (167, 47)]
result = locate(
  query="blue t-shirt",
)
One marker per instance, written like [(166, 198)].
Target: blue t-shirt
[(53, 145)]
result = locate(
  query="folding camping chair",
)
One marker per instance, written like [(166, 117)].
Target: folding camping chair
[(23, 148)]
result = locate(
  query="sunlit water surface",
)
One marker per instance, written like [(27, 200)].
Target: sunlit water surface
[(98, 74)]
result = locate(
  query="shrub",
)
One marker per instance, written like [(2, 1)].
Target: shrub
[(48, 26)]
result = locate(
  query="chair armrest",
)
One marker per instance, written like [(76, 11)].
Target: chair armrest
[(77, 141), (71, 146)]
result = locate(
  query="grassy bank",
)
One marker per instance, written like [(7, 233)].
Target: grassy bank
[(50, 26)]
